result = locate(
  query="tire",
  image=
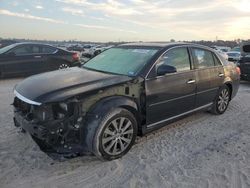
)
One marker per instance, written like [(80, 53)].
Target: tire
[(221, 101), (115, 134), (63, 66), (97, 52)]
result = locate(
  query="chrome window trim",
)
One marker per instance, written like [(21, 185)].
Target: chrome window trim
[(180, 115), (18, 95), (194, 69)]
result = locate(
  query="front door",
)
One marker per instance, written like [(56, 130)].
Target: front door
[(22, 60), (171, 94)]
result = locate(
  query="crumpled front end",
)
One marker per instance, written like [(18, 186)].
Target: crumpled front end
[(55, 127)]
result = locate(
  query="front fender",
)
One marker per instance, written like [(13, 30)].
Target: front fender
[(98, 111), (104, 105)]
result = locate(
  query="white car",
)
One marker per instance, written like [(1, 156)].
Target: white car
[(95, 50), (233, 56)]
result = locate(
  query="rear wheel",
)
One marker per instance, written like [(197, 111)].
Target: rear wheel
[(63, 66), (115, 135), (221, 101)]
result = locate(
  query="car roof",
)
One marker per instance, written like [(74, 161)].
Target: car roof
[(154, 44), (162, 45), (32, 43)]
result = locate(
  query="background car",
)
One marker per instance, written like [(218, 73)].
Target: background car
[(95, 50), (244, 62), (77, 48), (236, 48), (233, 56), (222, 53), (31, 58), (6, 42)]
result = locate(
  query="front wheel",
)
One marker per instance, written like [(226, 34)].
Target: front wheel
[(221, 101), (115, 134)]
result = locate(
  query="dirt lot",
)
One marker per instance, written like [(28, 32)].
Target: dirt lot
[(201, 150)]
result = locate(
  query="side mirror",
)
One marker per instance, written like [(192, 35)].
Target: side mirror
[(165, 69)]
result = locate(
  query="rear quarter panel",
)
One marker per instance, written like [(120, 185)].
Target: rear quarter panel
[(232, 77)]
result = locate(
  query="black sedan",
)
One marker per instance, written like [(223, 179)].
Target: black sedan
[(23, 59), (126, 91), (244, 62)]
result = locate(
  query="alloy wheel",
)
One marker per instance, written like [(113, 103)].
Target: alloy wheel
[(223, 100), (63, 66), (117, 136)]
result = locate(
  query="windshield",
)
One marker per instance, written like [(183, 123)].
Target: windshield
[(125, 61), (6, 48)]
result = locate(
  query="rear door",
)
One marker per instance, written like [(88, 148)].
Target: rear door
[(210, 75), (52, 60), (171, 94)]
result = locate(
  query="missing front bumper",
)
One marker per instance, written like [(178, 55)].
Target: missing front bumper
[(54, 136)]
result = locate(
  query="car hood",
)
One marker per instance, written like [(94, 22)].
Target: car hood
[(62, 84)]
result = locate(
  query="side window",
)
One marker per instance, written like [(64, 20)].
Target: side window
[(23, 50), (35, 49), (26, 50), (178, 58), (47, 50), (216, 60), (202, 58)]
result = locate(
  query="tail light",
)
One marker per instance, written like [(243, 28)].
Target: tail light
[(75, 57), (238, 70)]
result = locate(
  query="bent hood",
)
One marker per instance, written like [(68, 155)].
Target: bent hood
[(62, 84)]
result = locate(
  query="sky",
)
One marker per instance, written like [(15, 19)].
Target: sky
[(125, 20)]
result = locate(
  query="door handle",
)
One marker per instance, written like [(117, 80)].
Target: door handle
[(191, 81), (221, 75), (37, 56)]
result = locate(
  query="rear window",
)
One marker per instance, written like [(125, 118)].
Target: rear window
[(202, 58), (48, 50)]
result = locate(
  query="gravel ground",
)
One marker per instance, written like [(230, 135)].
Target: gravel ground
[(202, 150)]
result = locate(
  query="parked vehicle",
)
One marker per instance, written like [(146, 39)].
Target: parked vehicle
[(6, 42), (244, 62), (222, 53), (76, 48), (237, 49), (127, 91), (87, 49), (31, 58), (233, 56), (95, 50), (221, 48)]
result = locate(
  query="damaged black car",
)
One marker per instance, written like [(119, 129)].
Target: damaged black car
[(126, 91)]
